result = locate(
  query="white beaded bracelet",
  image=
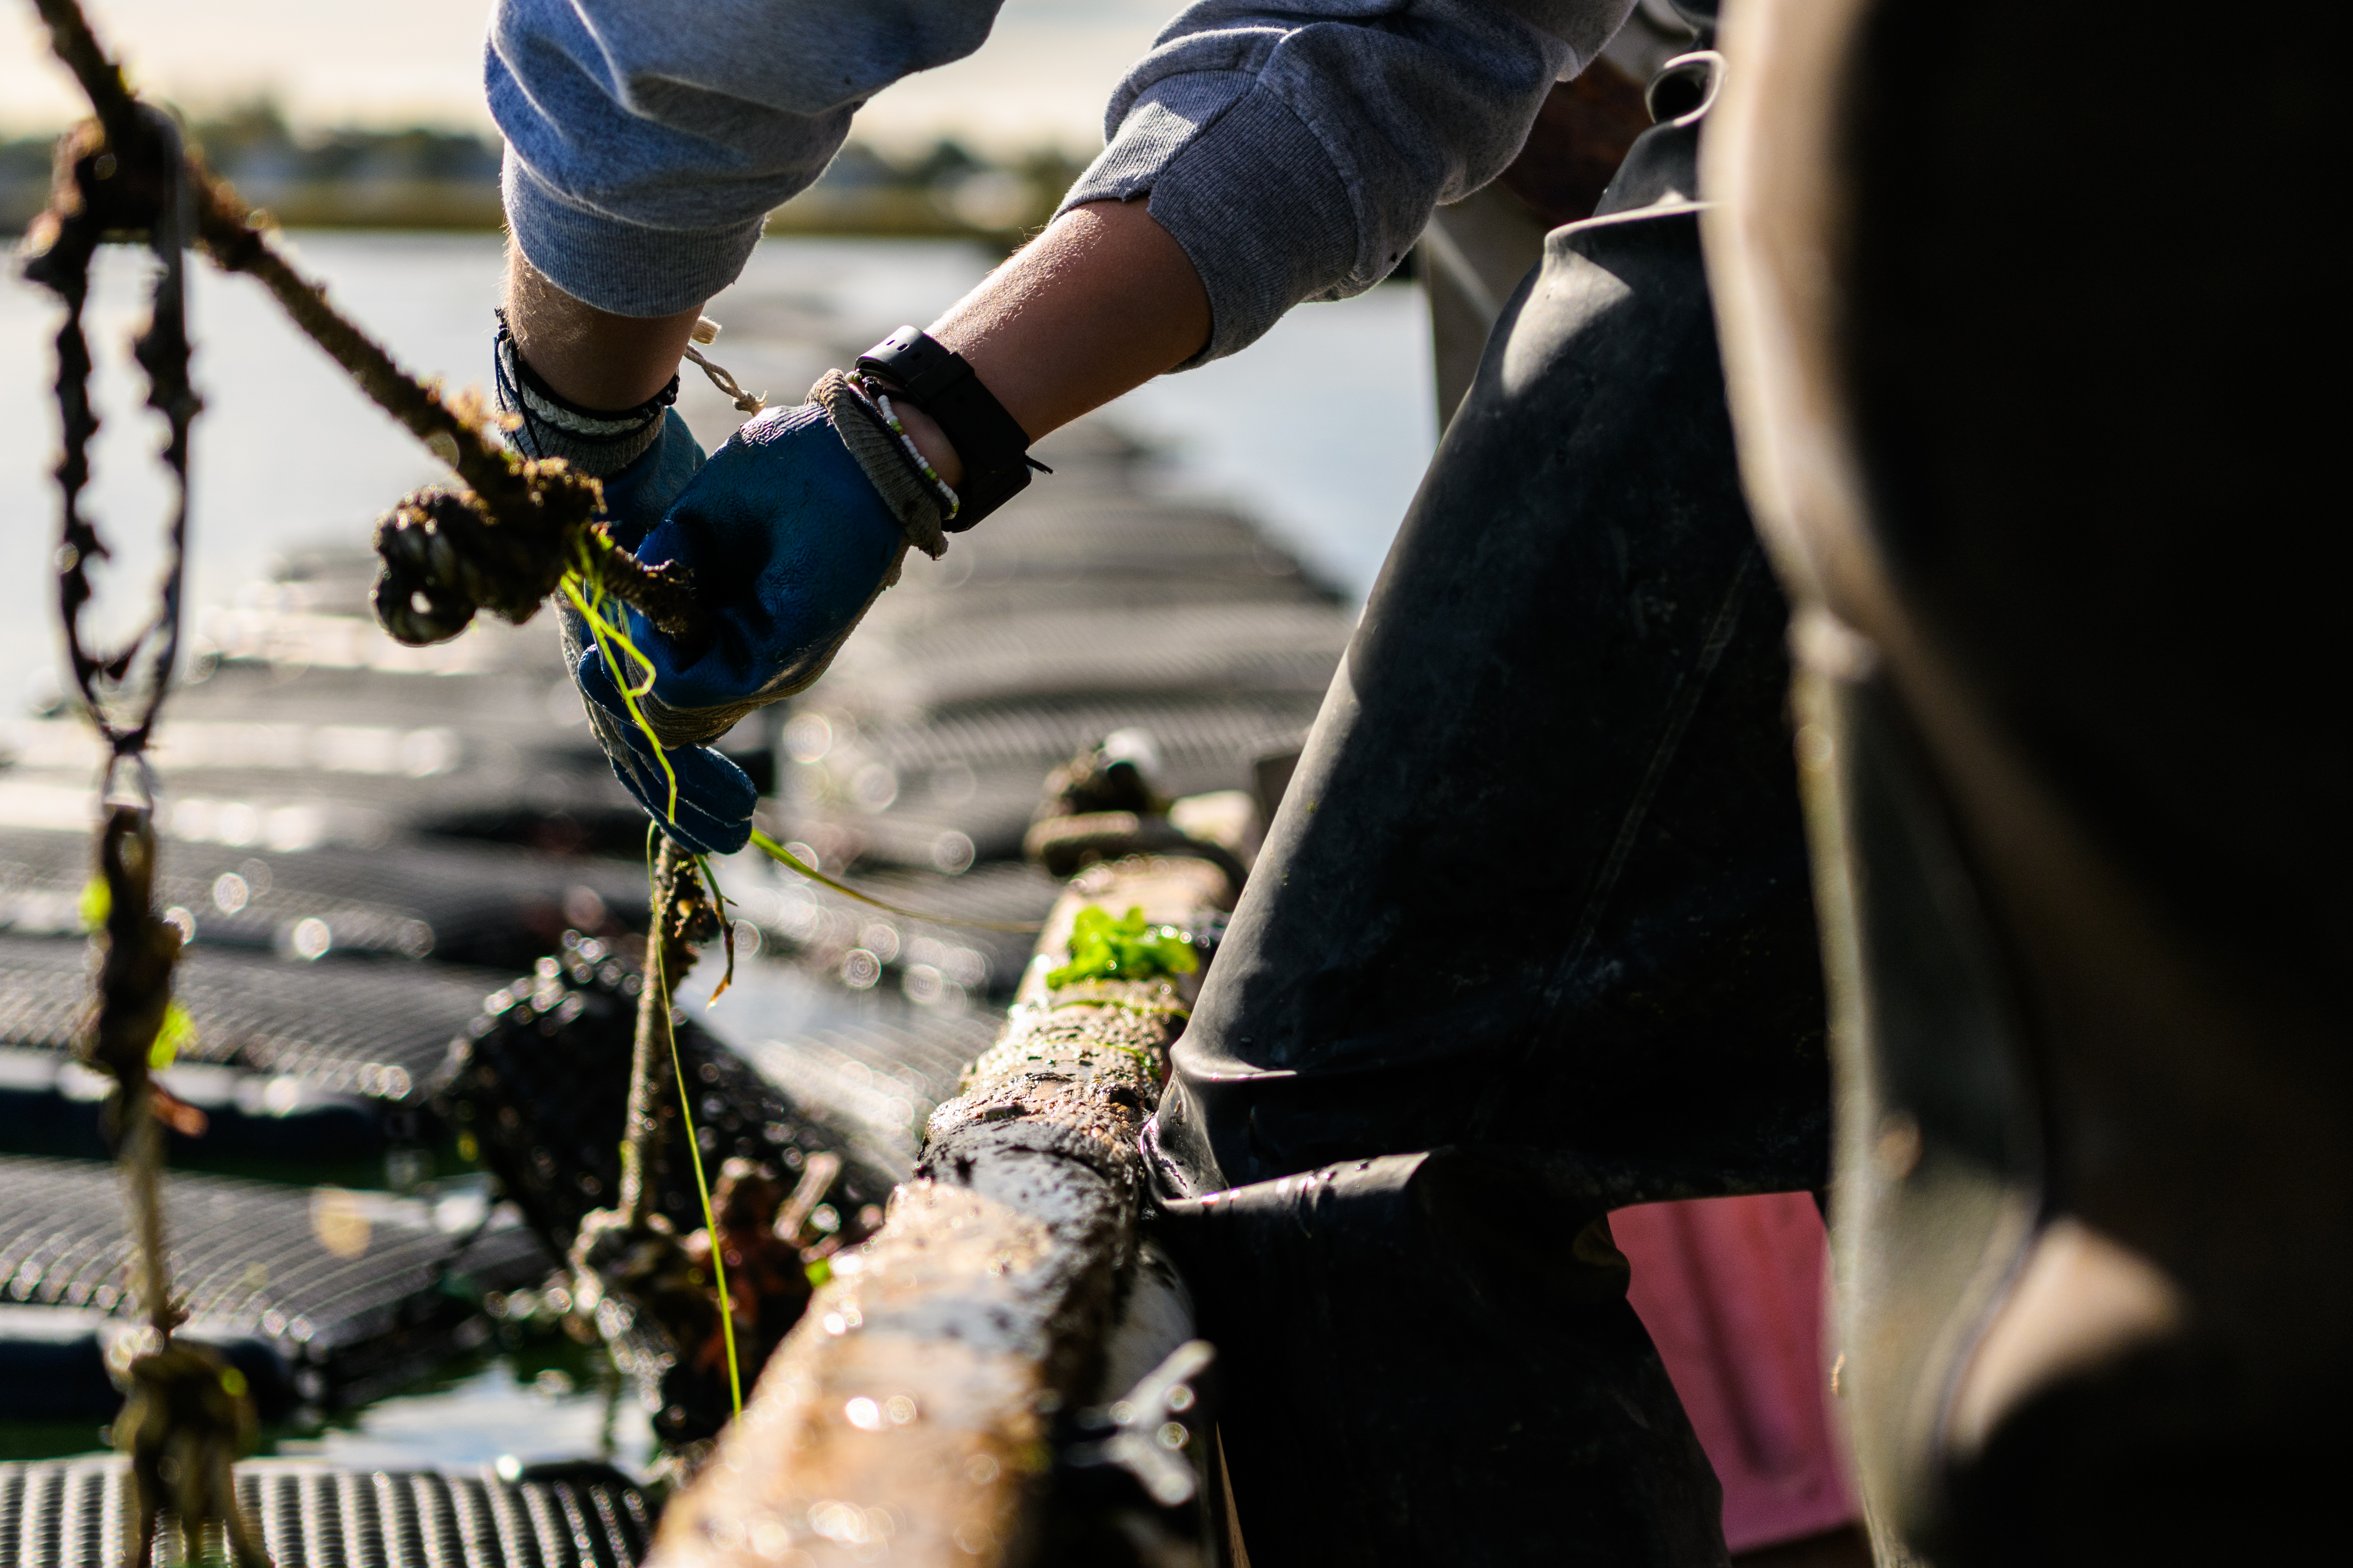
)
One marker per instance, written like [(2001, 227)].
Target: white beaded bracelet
[(874, 397)]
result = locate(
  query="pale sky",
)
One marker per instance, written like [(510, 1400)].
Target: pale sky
[(1042, 77)]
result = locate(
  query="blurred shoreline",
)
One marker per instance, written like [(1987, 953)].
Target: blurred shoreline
[(421, 178)]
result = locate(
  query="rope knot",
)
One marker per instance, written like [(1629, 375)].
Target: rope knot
[(446, 556), (188, 1417)]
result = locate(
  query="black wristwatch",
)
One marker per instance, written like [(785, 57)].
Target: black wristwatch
[(994, 447)]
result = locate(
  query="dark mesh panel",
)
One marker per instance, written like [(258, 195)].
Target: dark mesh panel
[(823, 927), (975, 769), (322, 728), (885, 1075), (472, 904), (1075, 613), (540, 1083), (335, 1295), (74, 1513), (944, 665), (373, 1029), (1115, 543)]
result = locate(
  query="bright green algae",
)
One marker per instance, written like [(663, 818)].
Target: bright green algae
[(1102, 948)]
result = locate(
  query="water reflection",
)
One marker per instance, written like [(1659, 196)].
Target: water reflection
[(527, 1404)]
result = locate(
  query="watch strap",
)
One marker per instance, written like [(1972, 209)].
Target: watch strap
[(994, 447)]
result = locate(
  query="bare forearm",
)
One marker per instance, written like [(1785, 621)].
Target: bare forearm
[(1100, 303), (595, 358)]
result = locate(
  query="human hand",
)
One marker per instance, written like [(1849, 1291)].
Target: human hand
[(714, 797), (636, 497), (789, 542)]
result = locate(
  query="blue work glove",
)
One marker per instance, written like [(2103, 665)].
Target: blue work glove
[(714, 797), (636, 498), (789, 542)]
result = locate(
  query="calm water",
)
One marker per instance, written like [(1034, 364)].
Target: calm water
[(1320, 431), (553, 1401)]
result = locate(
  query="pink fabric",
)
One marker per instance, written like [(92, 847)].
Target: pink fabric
[(1731, 1290)]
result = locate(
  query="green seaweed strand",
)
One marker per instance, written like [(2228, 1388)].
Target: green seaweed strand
[(659, 975), (778, 852), (608, 636)]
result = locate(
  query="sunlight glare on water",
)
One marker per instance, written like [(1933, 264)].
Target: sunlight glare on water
[(500, 1411)]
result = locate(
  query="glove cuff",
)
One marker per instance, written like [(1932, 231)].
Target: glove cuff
[(910, 494)]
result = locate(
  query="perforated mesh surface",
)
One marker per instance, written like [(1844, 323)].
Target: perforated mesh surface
[(1110, 538), (864, 946), (463, 904), (1085, 609), (288, 745), (372, 1028), (72, 1513), (252, 783), (1206, 735), (979, 770), (520, 703), (888, 1073), (987, 592), (356, 1289), (936, 669)]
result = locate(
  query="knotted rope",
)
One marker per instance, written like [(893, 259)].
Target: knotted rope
[(126, 175)]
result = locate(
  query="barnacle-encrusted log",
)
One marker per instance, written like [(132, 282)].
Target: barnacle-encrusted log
[(911, 1405)]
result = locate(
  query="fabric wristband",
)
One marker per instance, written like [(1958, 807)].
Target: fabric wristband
[(876, 448), (596, 442), (991, 441)]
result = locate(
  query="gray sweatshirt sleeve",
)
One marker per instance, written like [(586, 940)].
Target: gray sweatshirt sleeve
[(647, 143), (1295, 150)]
